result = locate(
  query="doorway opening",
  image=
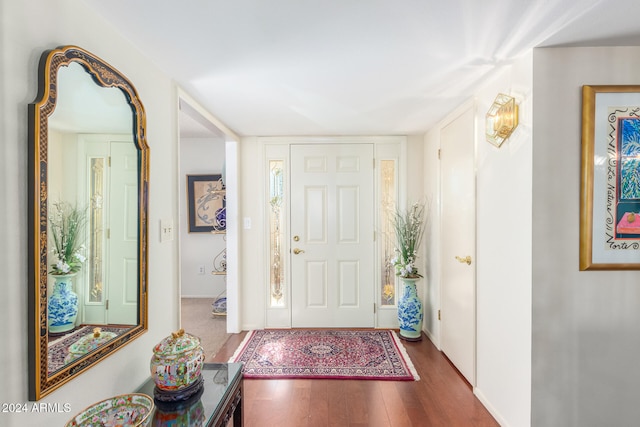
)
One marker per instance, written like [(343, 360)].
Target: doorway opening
[(333, 227), (203, 239), (329, 244)]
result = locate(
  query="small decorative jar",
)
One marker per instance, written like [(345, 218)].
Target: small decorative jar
[(176, 367), (88, 343)]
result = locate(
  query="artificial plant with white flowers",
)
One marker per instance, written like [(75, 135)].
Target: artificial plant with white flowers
[(409, 226), (65, 225)]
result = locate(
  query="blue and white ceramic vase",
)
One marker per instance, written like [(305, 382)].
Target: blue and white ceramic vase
[(62, 306), (410, 311)]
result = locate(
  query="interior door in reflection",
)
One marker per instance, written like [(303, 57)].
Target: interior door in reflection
[(111, 294)]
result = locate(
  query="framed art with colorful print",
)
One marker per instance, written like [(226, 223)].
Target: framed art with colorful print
[(610, 178)]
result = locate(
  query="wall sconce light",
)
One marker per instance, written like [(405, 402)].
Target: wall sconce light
[(501, 119)]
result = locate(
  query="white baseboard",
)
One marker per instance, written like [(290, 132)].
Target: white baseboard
[(253, 327), (485, 402), (197, 296), (432, 338)]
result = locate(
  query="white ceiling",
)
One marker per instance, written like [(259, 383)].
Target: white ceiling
[(351, 67)]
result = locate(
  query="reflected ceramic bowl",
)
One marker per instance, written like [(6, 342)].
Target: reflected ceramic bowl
[(127, 410), (177, 362), (191, 415), (88, 343)]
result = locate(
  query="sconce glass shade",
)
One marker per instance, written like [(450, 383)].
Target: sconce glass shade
[(501, 119)]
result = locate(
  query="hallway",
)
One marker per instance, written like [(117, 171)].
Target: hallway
[(197, 319), (441, 398)]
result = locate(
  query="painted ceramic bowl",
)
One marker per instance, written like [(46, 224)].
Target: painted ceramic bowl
[(177, 362), (127, 410), (88, 343)]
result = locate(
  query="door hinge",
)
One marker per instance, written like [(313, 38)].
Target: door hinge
[(107, 305), (438, 153), (438, 314), (108, 232), (374, 308), (109, 161)]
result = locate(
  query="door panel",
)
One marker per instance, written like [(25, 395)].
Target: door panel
[(332, 277), (123, 259), (117, 274), (348, 283), (316, 284), (458, 315), (316, 214)]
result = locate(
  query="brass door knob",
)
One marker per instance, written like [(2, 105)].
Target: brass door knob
[(466, 259), (298, 251)]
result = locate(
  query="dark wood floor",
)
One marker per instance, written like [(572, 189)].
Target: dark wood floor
[(441, 398)]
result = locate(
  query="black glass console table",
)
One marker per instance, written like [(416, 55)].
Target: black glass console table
[(218, 402)]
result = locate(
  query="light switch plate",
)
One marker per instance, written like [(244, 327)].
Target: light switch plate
[(166, 230)]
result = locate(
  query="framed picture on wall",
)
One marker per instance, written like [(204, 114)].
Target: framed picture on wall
[(206, 204), (610, 178)]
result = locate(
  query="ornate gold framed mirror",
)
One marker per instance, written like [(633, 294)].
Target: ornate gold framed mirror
[(88, 210)]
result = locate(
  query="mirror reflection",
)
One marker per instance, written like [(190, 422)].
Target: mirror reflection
[(88, 209), (92, 205)]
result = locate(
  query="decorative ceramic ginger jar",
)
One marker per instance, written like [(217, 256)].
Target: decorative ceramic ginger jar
[(88, 343), (410, 311), (62, 304), (177, 362)]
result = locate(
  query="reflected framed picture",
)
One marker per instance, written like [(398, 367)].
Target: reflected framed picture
[(610, 178), (206, 204)]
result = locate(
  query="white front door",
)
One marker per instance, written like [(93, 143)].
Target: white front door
[(458, 308), (332, 230), (123, 235), (111, 291)]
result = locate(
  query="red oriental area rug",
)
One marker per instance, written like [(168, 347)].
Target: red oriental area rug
[(316, 353)]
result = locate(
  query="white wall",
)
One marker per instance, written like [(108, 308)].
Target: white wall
[(503, 268), (414, 171), (503, 254), (586, 325), (252, 240), (199, 156), (27, 28)]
